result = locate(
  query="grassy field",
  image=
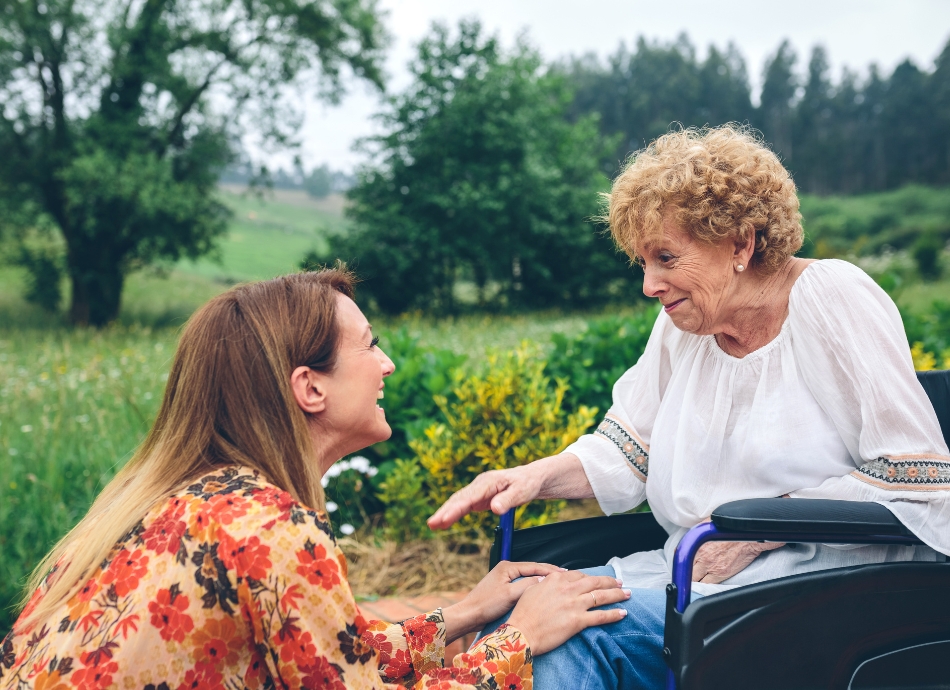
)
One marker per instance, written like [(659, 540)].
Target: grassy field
[(75, 403)]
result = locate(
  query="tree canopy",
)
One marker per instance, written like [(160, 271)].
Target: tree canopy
[(481, 179), (847, 136), (119, 115)]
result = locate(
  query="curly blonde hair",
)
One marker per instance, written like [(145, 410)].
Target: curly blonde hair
[(718, 183)]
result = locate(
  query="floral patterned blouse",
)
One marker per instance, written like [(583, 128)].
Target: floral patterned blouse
[(232, 584)]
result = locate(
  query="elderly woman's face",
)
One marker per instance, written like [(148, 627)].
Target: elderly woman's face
[(692, 279)]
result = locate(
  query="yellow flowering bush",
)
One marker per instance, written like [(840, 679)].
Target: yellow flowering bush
[(925, 360), (506, 415)]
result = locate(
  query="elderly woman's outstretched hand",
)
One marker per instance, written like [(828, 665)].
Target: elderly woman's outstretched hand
[(559, 476), (497, 490)]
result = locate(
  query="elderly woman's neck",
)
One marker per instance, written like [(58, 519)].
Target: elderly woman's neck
[(761, 309)]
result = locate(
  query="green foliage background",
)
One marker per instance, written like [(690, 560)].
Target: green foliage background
[(480, 178)]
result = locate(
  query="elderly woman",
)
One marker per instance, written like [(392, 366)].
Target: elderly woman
[(209, 562), (765, 375)]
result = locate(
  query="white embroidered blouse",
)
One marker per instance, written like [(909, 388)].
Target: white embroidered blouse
[(831, 408)]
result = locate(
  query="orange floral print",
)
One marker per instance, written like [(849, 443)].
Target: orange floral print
[(317, 568), (231, 583), (247, 557), (399, 665), (320, 673), (217, 641), (225, 508), (204, 676), (125, 571), (164, 535), (49, 680), (168, 614), (420, 633), (94, 675)]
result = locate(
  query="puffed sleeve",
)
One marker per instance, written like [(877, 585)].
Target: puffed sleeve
[(851, 347), (616, 456), (293, 594)]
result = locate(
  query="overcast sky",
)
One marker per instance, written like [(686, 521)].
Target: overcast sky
[(855, 32)]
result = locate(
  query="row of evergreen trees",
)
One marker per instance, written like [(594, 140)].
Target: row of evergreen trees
[(845, 136)]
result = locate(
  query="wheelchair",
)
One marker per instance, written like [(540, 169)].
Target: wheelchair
[(869, 627)]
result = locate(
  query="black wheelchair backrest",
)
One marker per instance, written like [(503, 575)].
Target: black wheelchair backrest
[(937, 386)]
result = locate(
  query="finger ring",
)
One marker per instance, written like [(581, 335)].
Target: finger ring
[(594, 597)]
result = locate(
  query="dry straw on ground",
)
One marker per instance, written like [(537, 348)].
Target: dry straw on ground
[(385, 568), (413, 569)]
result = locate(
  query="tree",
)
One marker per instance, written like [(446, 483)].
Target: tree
[(814, 127), (776, 115), (119, 115), (641, 93), (481, 178), (319, 183), (846, 136)]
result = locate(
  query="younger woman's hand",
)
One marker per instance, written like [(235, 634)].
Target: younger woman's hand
[(493, 597), (557, 608)]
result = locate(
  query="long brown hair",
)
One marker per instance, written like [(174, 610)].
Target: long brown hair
[(228, 401)]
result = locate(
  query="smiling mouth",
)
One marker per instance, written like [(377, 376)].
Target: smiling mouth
[(673, 305), (379, 396)]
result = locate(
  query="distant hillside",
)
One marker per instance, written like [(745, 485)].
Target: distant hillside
[(332, 204), (269, 234)]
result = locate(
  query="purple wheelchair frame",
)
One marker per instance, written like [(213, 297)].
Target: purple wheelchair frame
[(700, 534)]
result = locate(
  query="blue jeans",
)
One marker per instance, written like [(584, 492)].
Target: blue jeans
[(626, 654)]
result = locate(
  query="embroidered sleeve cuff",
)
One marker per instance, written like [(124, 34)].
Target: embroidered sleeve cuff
[(617, 482), (907, 472)]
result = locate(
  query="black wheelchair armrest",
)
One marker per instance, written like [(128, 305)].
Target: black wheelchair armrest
[(583, 543), (801, 517)]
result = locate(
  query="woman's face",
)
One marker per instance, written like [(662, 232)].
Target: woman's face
[(351, 418), (693, 280)]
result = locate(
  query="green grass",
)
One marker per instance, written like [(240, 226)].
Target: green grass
[(868, 223), (73, 406)]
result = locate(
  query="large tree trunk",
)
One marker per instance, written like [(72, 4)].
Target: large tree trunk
[(97, 294)]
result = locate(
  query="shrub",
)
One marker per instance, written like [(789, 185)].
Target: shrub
[(506, 415), (407, 505), (351, 495), (926, 252), (595, 358), (932, 329)]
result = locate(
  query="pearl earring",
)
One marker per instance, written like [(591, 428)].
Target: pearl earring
[(740, 268)]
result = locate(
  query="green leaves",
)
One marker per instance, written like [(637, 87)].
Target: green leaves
[(480, 180), (110, 127), (595, 358)]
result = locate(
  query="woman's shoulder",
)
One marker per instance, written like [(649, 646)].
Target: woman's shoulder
[(230, 502), (828, 272), (834, 299), (834, 285)]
